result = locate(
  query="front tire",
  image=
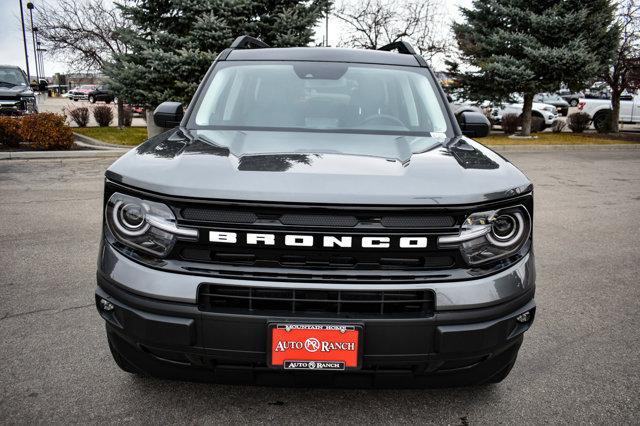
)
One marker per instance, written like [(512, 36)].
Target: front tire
[(92, 99), (573, 102)]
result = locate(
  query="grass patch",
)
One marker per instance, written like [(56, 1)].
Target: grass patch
[(548, 138), (127, 136)]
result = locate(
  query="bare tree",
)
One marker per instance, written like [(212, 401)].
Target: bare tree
[(625, 70), (370, 24), (84, 34)]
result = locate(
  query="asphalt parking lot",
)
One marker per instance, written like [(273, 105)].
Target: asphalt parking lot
[(579, 364)]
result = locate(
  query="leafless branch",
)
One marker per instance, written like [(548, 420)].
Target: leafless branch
[(83, 34), (371, 24)]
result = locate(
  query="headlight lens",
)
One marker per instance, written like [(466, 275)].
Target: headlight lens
[(491, 235), (144, 225)]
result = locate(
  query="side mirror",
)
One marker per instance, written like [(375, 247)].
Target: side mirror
[(474, 124), (168, 114)]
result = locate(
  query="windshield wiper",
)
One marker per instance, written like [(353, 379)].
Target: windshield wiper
[(6, 82)]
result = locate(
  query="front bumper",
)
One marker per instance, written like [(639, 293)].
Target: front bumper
[(174, 339)]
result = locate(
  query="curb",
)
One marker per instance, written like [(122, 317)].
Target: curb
[(27, 155), (96, 143), (100, 147), (542, 148)]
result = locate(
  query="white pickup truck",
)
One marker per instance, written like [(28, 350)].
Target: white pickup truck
[(598, 109)]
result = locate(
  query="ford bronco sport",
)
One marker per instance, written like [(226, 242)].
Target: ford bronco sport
[(317, 216)]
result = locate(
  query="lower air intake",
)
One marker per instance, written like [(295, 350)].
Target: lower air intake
[(329, 303)]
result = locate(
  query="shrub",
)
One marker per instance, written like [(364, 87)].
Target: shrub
[(46, 131), (127, 116), (602, 121), (103, 115), (10, 131), (578, 122), (537, 124), (510, 123), (559, 126), (80, 116)]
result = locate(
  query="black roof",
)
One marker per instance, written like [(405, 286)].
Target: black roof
[(323, 54)]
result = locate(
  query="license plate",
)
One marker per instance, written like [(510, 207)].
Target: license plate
[(315, 346)]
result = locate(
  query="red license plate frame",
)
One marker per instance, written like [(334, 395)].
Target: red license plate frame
[(315, 346)]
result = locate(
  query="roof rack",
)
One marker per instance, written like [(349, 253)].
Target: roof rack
[(248, 42), (405, 48), (401, 46)]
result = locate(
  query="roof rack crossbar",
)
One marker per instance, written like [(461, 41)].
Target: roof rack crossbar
[(401, 46), (248, 42)]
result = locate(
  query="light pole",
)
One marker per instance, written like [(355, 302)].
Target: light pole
[(326, 27), (33, 37), (24, 41)]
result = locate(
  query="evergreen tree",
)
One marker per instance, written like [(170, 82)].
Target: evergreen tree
[(172, 43), (528, 47)]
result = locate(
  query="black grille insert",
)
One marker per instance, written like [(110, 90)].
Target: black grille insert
[(417, 221), (330, 303), (205, 215)]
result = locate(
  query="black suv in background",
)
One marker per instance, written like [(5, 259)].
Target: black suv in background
[(16, 96), (317, 216), (101, 93)]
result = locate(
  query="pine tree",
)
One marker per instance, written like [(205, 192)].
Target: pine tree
[(528, 47), (172, 43)]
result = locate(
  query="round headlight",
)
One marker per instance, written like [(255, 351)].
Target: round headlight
[(144, 225), (506, 229), (132, 216), (129, 218)]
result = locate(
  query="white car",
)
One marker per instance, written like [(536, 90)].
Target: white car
[(548, 113), (598, 109)]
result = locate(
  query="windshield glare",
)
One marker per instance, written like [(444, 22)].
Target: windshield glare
[(12, 76), (320, 96)]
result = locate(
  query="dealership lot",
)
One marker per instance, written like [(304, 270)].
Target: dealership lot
[(579, 363)]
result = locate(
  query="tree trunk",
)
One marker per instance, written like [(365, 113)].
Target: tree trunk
[(615, 111), (152, 129), (120, 113), (526, 114)]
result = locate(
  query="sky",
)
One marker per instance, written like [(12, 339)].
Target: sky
[(12, 47)]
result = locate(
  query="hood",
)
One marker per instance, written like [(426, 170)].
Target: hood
[(15, 91), (318, 167)]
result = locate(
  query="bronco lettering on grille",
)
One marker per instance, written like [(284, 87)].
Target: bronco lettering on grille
[(330, 241)]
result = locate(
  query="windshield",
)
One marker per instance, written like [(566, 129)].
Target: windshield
[(12, 77), (320, 97)]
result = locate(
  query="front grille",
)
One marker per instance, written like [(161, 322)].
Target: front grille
[(317, 259), (295, 219), (329, 303), (349, 259)]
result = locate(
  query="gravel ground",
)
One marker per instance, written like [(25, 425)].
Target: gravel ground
[(579, 363)]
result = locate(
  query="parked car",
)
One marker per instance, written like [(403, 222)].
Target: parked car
[(101, 93), (81, 93), (571, 97), (599, 109), (552, 99), (548, 113), (16, 95), (317, 213)]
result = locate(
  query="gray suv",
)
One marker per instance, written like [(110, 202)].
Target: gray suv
[(16, 96), (317, 216)]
